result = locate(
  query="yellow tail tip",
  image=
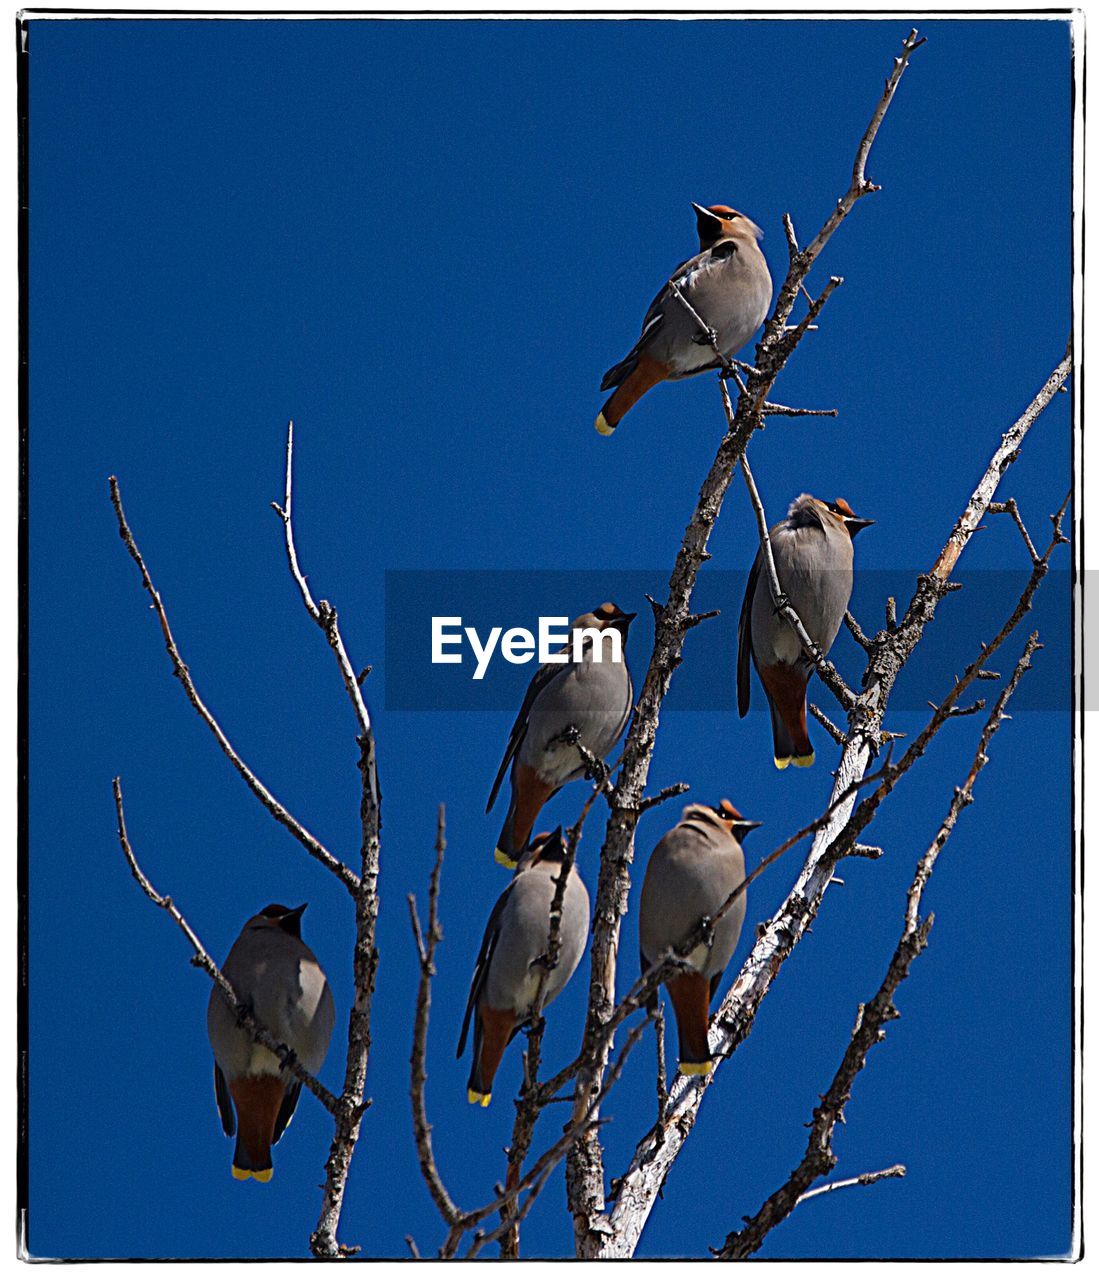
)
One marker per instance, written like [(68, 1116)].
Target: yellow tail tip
[(505, 859), (478, 1099), (696, 1068), (260, 1175), (804, 762), (782, 761), (241, 1175), (603, 426)]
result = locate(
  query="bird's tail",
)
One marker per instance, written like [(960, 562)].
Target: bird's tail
[(638, 375), (507, 849), (690, 993), (258, 1101), (786, 697), (492, 1030), (528, 794)]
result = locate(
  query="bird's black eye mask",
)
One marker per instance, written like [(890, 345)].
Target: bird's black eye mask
[(288, 919)]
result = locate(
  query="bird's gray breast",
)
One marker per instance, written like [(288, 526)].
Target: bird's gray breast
[(731, 293), (281, 981), (513, 977), (595, 698), (690, 875), (814, 570)]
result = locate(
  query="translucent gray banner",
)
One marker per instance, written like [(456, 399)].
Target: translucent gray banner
[(468, 614)]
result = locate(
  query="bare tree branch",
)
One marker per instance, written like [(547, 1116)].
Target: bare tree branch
[(426, 950), (891, 649), (863, 1180), (1011, 507), (819, 1158), (540, 1171), (323, 1242), (305, 838), (858, 635), (836, 734), (665, 793), (204, 961), (585, 1178), (784, 411), (323, 613), (1003, 457)]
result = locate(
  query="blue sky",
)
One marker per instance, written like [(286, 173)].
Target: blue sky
[(425, 241)]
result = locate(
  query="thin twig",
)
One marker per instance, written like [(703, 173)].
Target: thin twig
[(1011, 507), (665, 793), (323, 614), (425, 949), (323, 1241), (860, 637), (834, 732), (784, 411), (306, 839), (863, 1180)]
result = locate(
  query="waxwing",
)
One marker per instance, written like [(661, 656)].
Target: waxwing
[(506, 976), (691, 873), (276, 975), (814, 556), (593, 694), (728, 285)]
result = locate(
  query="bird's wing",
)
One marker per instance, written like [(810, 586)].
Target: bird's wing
[(542, 679), (484, 959), (653, 321), (286, 1111), (225, 1103), (744, 640)]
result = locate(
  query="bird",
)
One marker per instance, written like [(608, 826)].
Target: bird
[(689, 877), (814, 555), (507, 973), (589, 693), (727, 283), (276, 976)]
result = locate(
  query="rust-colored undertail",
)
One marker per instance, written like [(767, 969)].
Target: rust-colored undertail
[(645, 374), (528, 794), (785, 688), (257, 1100), (494, 1029), (690, 993)]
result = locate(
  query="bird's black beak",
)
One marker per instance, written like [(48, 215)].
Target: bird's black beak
[(744, 826), (291, 921), (709, 224), (552, 848), (854, 524)]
